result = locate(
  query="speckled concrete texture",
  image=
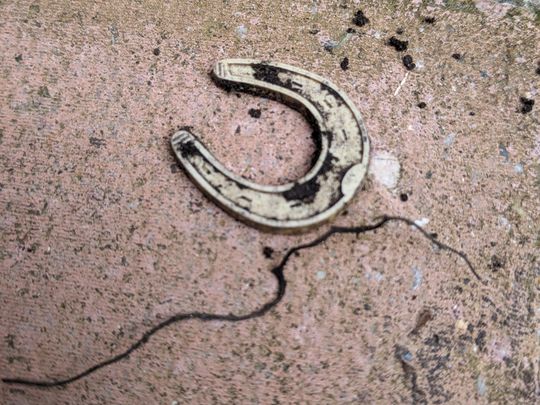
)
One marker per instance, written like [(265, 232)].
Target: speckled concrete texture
[(102, 235)]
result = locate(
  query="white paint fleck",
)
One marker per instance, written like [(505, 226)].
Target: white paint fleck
[(385, 168), (114, 34), (481, 385), (374, 275), (401, 84), (500, 349), (449, 140), (422, 222), (241, 31), (321, 275), (375, 34), (518, 168), (329, 44), (417, 277), (504, 222), (475, 177)]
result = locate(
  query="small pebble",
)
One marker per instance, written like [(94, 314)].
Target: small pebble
[(461, 325), (457, 56), (421, 104), (407, 356), (156, 51), (429, 20)]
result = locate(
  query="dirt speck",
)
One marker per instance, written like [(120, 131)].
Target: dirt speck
[(398, 44), (268, 252), (526, 105), (43, 91), (97, 142), (344, 64), (255, 112), (422, 319), (408, 62), (360, 19)]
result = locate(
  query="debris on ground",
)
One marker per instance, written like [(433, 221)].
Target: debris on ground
[(398, 45), (408, 62), (360, 19), (526, 105)]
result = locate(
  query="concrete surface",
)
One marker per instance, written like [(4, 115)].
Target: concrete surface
[(102, 235)]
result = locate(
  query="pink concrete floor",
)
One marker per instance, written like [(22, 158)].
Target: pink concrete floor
[(102, 236)]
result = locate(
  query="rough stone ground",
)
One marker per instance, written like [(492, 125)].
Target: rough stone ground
[(102, 235)]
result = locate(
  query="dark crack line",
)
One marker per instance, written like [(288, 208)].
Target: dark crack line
[(277, 271)]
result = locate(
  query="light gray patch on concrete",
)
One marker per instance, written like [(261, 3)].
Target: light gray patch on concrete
[(417, 277), (385, 168)]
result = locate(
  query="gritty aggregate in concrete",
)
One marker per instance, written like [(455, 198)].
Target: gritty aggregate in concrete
[(102, 235)]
